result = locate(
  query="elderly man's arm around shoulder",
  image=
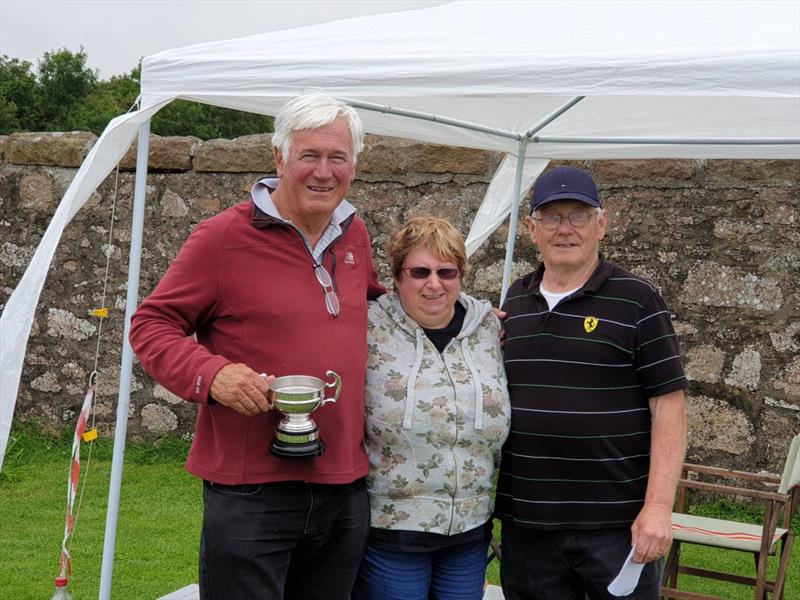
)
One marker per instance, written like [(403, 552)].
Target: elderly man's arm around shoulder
[(652, 529)]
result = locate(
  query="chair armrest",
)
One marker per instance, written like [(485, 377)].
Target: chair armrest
[(731, 474), (733, 490)]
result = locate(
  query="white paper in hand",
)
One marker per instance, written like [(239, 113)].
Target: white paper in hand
[(627, 578)]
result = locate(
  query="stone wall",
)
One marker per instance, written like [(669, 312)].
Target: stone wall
[(721, 239)]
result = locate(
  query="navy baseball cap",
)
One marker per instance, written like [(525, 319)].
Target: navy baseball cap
[(564, 183)]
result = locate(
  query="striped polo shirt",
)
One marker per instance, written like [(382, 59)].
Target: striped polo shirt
[(579, 378)]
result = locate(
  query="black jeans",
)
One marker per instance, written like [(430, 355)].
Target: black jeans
[(289, 540), (570, 564)]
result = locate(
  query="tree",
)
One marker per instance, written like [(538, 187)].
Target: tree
[(20, 96), (107, 100), (66, 95), (8, 116), (182, 117), (65, 82)]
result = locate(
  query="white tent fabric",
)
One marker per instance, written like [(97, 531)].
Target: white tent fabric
[(641, 80)]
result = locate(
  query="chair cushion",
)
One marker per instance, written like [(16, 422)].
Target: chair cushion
[(720, 533)]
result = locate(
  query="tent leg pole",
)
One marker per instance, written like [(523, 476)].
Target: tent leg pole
[(126, 368), (513, 219)]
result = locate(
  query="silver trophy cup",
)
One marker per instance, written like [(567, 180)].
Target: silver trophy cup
[(296, 397)]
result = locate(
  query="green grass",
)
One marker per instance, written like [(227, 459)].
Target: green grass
[(159, 523), (158, 529)]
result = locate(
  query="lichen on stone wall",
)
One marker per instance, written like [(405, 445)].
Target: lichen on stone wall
[(62, 323), (714, 284), (746, 370), (12, 255), (715, 425), (158, 419), (788, 380), (704, 363)]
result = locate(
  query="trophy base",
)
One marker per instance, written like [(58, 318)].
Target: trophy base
[(310, 449)]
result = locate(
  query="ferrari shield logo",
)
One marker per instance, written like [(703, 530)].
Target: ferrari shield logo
[(590, 324)]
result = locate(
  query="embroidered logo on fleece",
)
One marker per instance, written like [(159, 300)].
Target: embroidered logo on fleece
[(349, 259), (590, 324)]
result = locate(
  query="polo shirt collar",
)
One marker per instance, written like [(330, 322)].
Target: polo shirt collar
[(596, 280), (261, 195), (266, 214)]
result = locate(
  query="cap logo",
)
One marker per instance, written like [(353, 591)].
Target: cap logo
[(590, 324)]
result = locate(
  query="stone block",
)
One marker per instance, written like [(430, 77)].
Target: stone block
[(642, 170), (752, 170), (108, 380), (716, 425), (158, 419), (163, 393), (171, 153), (62, 323), (778, 428), (746, 370), (73, 370), (247, 154), (684, 329), (785, 340), (37, 193), (386, 155), (433, 158), (728, 229), (712, 284), (788, 380), (52, 149), (46, 382), (12, 255), (618, 215), (704, 363), (487, 280), (3, 143), (172, 205), (779, 201), (208, 205), (781, 213)]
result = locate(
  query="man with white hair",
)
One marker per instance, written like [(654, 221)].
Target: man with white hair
[(277, 285)]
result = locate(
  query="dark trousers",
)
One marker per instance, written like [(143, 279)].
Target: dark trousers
[(289, 540), (570, 564)]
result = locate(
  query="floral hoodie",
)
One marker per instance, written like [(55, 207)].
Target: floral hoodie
[(435, 423)]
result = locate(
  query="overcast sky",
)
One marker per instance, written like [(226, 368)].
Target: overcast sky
[(116, 33)]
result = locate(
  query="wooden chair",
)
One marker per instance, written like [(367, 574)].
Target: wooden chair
[(761, 540), (494, 551)]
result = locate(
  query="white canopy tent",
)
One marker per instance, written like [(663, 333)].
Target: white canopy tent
[(535, 80)]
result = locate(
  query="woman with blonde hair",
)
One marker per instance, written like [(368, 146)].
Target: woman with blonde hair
[(437, 414)]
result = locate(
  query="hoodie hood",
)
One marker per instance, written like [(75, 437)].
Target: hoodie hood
[(476, 313)]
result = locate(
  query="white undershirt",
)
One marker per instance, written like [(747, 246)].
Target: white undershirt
[(554, 298)]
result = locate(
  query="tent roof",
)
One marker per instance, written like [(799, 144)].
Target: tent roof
[(647, 70)]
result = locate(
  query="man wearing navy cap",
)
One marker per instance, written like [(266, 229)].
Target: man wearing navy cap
[(598, 427)]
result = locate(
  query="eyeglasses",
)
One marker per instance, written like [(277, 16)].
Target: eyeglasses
[(331, 299), (424, 272), (579, 218)]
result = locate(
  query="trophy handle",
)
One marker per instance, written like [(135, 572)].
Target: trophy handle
[(270, 393), (337, 383)]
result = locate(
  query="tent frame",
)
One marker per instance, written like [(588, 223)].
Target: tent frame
[(137, 234)]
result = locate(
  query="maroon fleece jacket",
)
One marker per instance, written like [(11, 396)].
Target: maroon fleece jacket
[(242, 290)]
